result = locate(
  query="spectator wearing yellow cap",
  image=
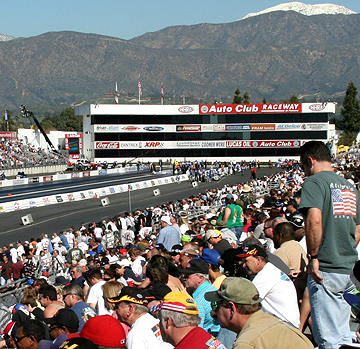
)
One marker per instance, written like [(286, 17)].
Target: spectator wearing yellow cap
[(179, 320)]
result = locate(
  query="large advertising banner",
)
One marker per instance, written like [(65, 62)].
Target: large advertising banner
[(200, 144), (275, 108), (210, 128)]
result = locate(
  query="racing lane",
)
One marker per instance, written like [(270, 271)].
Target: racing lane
[(75, 184), (54, 218)]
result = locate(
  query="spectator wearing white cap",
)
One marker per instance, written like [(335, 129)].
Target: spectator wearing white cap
[(168, 235)]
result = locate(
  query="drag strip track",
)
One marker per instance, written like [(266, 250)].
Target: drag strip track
[(54, 218), (35, 190)]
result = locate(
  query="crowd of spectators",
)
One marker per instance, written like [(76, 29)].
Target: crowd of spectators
[(169, 276), (16, 153)]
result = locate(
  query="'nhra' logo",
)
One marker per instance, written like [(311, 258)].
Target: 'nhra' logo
[(316, 107), (185, 109)]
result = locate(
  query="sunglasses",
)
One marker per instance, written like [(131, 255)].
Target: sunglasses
[(215, 305), (18, 339)]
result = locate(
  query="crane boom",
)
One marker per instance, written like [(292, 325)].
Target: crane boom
[(31, 116)]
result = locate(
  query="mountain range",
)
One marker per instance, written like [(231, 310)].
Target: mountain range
[(272, 55)]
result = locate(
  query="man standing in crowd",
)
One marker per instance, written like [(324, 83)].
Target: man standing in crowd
[(19, 249), (330, 204), (168, 235), (62, 250), (6, 272), (179, 320), (13, 253), (64, 240), (96, 296), (238, 308)]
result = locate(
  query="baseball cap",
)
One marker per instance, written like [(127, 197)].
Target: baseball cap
[(175, 250), (180, 302), (65, 317), (78, 343), (230, 196), (123, 251), (235, 289), (252, 250), (103, 330), (195, 266), (186, 238), (157, 291), (212, 233), (82, 263), (166, 219), (61, 280), (8, 328), (190, 252), (130, 294), (297, 221), (210, 256)]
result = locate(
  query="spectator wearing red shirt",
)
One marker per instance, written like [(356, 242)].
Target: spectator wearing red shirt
[(179, 320), (6, 272), (17, 269)]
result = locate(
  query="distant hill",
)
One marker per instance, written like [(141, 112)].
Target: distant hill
[(272, 55)]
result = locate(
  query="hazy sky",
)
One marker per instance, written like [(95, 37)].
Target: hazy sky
[(126, 19)]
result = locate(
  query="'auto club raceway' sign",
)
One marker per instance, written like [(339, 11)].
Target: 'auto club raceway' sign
[(250, 108)]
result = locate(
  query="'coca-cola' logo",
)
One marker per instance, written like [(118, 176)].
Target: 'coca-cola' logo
[(107, 145)]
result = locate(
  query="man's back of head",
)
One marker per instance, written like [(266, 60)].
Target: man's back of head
[(315, 149)]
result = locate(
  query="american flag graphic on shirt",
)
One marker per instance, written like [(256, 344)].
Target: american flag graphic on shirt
[(344, 202)]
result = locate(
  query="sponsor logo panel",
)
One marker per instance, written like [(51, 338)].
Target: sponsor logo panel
[(154, 145), (237, 127), (107, 145), (153, 128), (262, 127), (48, 178), (213, 144), (317, 107), (265, 144), (34, 180), (188, 128), (59, 198), (185, 109), (188, 144)]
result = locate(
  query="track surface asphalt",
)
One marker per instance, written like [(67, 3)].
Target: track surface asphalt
[(54, 218)]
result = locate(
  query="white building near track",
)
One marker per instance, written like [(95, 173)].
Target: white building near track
[(114, 132)]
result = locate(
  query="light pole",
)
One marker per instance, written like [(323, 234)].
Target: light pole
[(129, 189)]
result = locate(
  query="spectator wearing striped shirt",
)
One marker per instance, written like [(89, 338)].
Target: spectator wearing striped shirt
[(196, 278)]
